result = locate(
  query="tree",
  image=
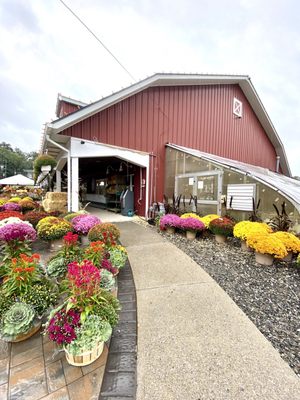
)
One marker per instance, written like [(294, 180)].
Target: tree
[(14, 161)]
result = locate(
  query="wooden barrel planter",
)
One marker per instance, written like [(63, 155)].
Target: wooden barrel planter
[(85, 358)]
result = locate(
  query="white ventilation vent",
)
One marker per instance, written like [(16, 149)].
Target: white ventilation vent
[(237, 108), (239, 197)]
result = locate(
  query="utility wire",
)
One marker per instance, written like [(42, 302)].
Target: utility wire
[(96, 37)]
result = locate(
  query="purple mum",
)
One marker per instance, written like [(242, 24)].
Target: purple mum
[(17, 231), (11, 207), (192, 224), (83, 223), (170, 220)]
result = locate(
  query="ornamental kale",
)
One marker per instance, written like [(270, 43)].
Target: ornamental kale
[(16, 320)]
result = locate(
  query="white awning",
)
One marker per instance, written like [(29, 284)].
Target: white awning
[(288, 187), (17, 180)]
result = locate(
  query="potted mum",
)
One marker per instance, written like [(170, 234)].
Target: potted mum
[(244, 228), (191, 226), (53, 229), (80, 324), (82, 225), (222, 228), (106, 232), (266, 246), (291, 242), (169, 222)]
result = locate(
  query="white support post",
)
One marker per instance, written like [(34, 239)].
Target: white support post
[(58, 180), (74, 184)]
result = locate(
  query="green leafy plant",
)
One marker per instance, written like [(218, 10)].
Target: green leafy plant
[(281, 222), (41, 296), (93, 330), (107, 307), (254, 215), (57, 267), (16, 320)]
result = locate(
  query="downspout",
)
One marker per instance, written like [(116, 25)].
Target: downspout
[(69, 168), (277, 163)]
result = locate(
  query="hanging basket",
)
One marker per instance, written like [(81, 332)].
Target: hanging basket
[(85, 358), (190, 235), (264, 259), (220, 238)]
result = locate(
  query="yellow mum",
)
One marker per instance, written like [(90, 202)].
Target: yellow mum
[(266, 243), (208, 218), (191, 215), (291, 242), (244, 228)]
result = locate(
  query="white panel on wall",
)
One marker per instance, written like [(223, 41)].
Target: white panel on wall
[(239, 197)]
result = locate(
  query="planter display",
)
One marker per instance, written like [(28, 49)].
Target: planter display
[(264, 259), (190, 235), (85, 358), (220, 238)]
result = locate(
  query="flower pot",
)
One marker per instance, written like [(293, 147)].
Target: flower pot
[(85, 358), (46, 168), (26, 335), (289, 257), (190, 235), (244, 246), (56, 244), (264, 259), (220, 238), (171, 230), (85, 240)]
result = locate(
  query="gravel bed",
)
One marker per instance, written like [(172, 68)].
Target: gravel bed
[(269, 296)]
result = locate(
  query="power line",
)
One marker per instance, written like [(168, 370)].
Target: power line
[(96, 37)]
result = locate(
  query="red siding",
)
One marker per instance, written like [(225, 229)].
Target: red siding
[(65, 108), (199, 117)]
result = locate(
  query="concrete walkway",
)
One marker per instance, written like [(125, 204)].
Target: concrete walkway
[(194, 343)]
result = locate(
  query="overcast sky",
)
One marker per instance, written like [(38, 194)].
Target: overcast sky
[(44, 51)]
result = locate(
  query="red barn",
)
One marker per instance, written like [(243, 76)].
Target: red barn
[(124, 141)]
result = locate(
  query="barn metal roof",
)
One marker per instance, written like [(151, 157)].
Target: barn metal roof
[(243, 81), (288, 187)]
